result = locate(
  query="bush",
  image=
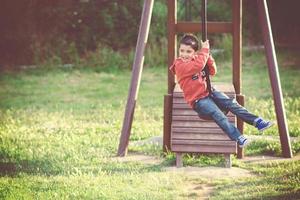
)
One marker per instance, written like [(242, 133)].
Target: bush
[(106, 58), (223, 46)]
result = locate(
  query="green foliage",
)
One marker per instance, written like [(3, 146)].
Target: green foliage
[(158, 28), (37, 31), (216, 10), (156, 54), (203, 160), (223, 44), (106, 58), (264, 147), (296, 147)]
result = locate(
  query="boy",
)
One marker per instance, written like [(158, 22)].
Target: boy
[(188, 70)]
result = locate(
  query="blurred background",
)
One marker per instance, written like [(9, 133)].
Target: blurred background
[(84, 32)]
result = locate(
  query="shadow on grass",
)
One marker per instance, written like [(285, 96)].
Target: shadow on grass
[(130, 167), (29, 167), (45, 167), (111, 165), (8, 169)]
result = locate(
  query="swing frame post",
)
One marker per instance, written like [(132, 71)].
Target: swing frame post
[(237, 61), (172, 54), (274, 78), (136, 76)]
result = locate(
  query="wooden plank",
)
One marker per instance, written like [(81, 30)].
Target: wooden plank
[(177, 106), (181, 105), (184, 112), (187, 118), (212, 27), (204, 142), (194, 124), (203, 148), (197, 118), (199, 131), (194, 130), (179, 100), (200, 136), (180, 95), (223, 87), (191, 113)]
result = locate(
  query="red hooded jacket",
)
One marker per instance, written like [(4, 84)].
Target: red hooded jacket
[(189, 75)]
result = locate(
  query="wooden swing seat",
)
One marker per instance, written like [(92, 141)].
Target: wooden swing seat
[(192, 134)]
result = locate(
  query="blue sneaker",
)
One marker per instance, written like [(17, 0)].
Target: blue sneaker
[(262, 125), (242, 141)]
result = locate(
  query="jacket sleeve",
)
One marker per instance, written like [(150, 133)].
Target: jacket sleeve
[(211, 65), (201, 58), (172, 67), (185, 68)]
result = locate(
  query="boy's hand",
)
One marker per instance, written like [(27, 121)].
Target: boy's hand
[(205, 44)]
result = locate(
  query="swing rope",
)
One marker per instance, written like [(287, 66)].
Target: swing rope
[(206, 70), (204, 38)]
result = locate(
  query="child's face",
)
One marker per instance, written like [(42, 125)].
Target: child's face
[(186, 51)]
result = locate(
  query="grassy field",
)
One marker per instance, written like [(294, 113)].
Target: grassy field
[(59, 132)]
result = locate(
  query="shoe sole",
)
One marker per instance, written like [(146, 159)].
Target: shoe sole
[(245, 144), (271, 124)]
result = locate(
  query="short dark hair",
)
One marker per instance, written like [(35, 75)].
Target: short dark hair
[(191, 40)]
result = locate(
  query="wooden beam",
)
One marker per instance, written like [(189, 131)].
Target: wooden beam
[(172, 41), (172, 50), (168, 100), (212, 27), (274, 78), (237, 60), (237, 45), (136, 76), (240, 125)]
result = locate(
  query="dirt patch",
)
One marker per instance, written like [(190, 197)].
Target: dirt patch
[(198, 178), (193, 188), (212, 172), (156, 140), (134, 157), (196, 191)]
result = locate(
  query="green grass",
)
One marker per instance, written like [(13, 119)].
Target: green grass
[(274, 181), (60, 128)]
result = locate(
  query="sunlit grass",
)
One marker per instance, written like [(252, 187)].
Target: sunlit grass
[(60, 129)]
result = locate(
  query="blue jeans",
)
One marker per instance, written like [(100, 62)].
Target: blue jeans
[(213, 105)]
